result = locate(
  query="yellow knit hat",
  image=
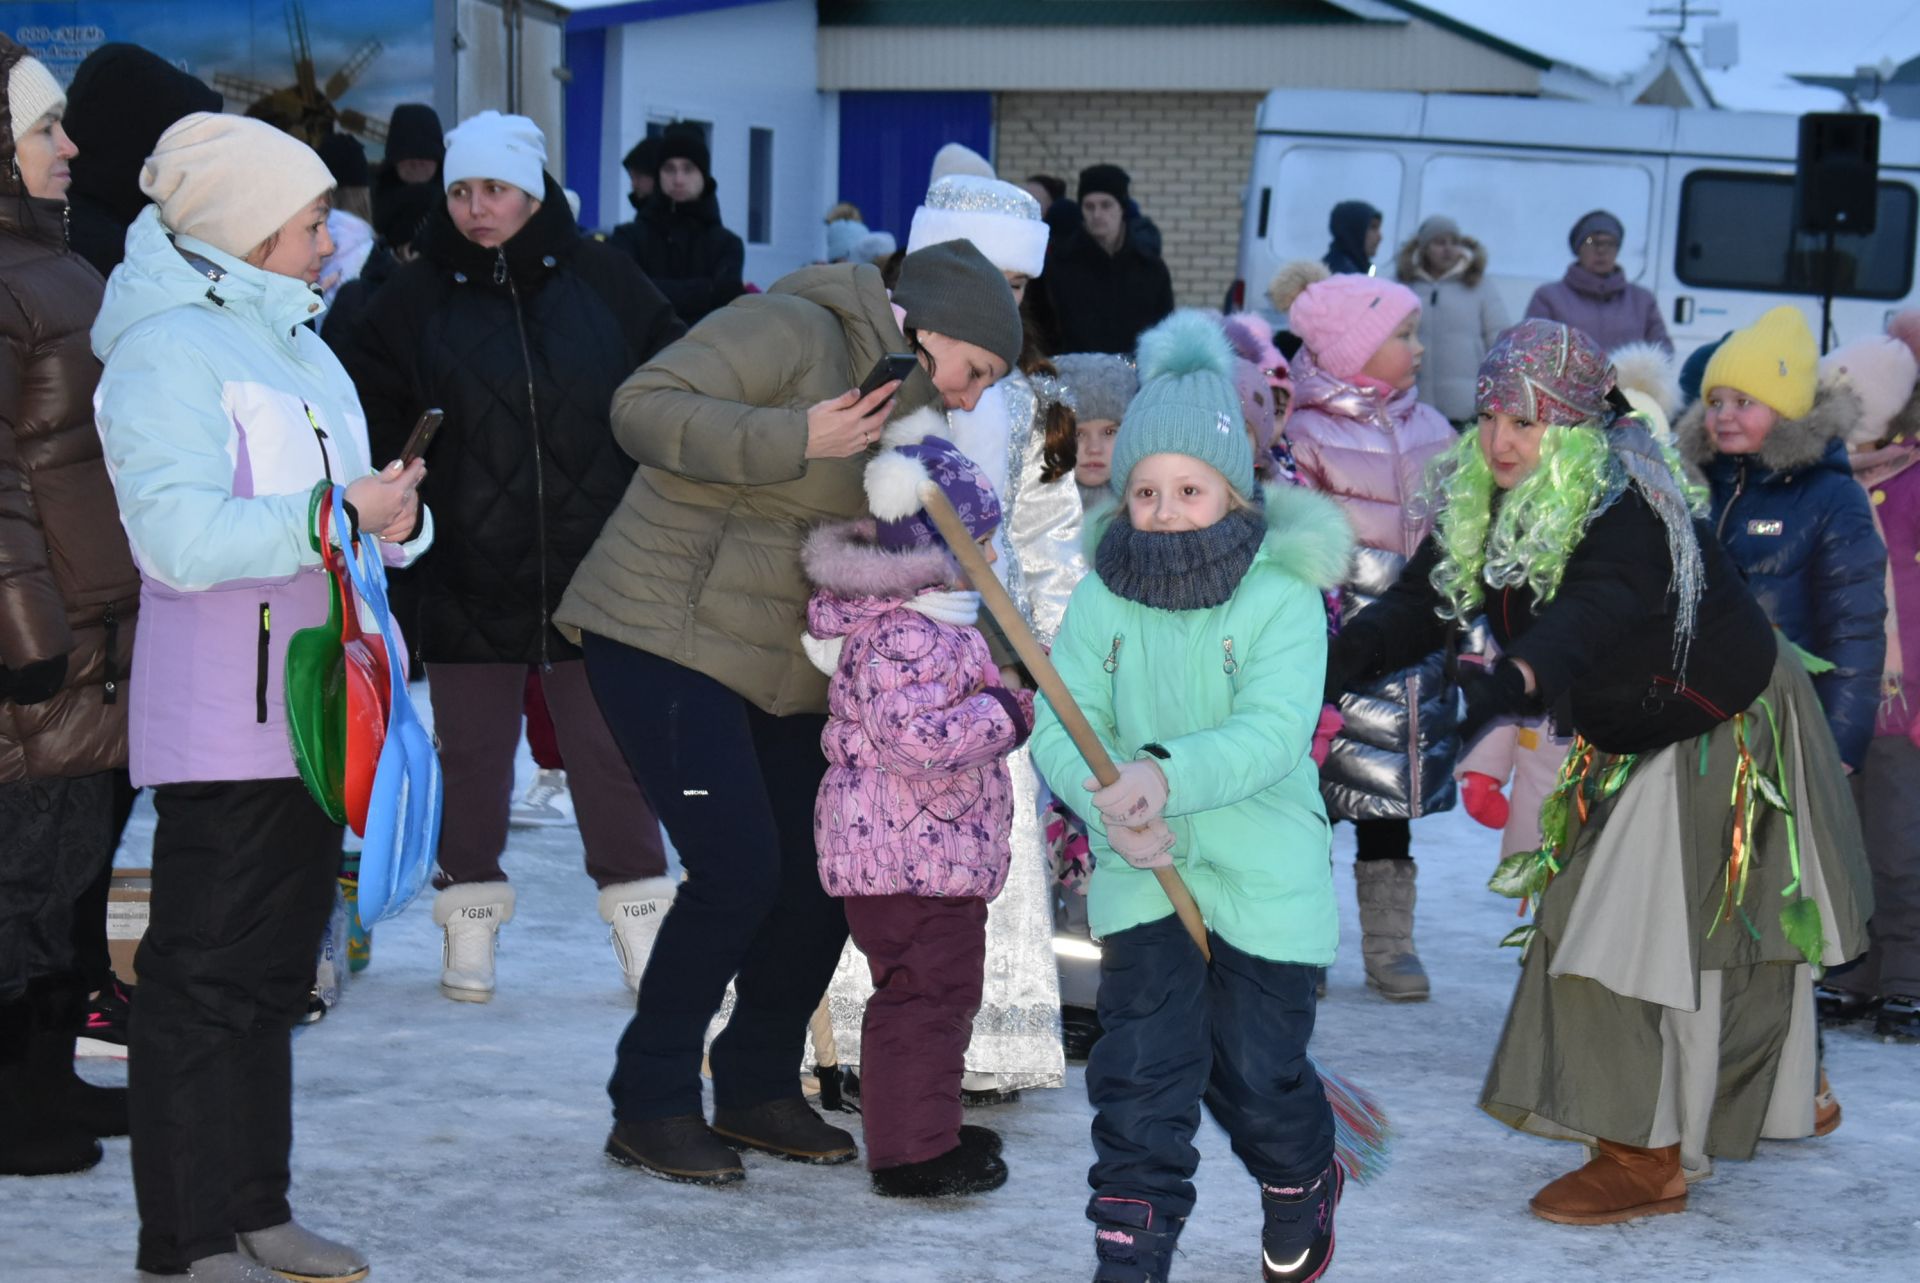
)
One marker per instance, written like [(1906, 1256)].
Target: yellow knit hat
[(1775, 361)]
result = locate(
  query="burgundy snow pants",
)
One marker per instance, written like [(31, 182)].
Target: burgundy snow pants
[(927, 955)]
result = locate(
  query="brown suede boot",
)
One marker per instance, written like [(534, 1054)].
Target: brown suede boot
[(1622, 1183)]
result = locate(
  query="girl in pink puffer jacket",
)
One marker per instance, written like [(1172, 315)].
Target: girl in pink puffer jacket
[(913, 817)]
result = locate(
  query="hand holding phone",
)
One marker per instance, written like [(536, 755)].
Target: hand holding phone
[(422, 436), (894, 367)]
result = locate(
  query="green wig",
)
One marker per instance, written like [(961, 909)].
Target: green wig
[(1526, 537)]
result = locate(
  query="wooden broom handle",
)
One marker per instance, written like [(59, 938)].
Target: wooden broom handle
[(961, 543)]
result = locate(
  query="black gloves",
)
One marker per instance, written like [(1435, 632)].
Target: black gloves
[(37, 682), (1500, 693)]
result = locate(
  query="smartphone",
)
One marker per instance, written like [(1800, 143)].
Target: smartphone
[(889, 368), (421, 436)]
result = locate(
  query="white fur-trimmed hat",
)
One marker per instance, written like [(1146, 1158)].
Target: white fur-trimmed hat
[(1002, 221)]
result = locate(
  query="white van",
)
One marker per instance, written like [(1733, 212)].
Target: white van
[(1706, 198)]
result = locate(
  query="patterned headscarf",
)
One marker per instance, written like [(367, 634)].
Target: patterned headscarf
[(1547, 372)]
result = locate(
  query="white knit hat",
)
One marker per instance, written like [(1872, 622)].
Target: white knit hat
[(1002, 221), (230, 181), (490, 145), (32, 92), (958, 158)]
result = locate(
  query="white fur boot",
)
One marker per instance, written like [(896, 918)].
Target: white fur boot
[(472, 914), (634, 910)]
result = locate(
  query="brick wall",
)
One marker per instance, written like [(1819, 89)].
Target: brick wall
[(1188, 155)]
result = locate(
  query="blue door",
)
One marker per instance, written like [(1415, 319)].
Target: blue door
[(887, 142)]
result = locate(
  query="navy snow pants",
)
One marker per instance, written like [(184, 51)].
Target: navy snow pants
[(1177, 1032)]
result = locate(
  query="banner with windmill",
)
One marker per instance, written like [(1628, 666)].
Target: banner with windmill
[(310, 69)]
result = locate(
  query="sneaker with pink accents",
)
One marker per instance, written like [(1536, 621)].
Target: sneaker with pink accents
[(1132, 1241), (1296, 1244), (105, 1033)]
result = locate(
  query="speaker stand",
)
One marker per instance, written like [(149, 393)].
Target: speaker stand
[(1826, 296)]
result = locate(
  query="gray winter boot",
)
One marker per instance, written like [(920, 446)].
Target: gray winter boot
[(295, 1252), (226, 1267), (1386, 894)]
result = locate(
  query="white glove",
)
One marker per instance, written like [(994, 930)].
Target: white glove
[(1139, 795), (1144, 848)]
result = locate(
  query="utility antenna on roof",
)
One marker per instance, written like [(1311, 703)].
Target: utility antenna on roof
[(1719, 43)]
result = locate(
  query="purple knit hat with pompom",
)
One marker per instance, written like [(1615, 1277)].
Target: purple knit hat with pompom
[(893, 492)]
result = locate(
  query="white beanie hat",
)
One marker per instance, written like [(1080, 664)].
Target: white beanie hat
[(958, 158), (509, 148), (32, 92), (230, 181), (1002, 221)]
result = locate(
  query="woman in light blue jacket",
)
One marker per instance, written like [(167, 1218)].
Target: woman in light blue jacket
[(224, 419)]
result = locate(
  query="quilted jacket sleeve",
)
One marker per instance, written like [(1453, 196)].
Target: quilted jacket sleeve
[(714, 406), (908, 700), (1849, 574), (33, 615), (166, 436), (1276, 704)]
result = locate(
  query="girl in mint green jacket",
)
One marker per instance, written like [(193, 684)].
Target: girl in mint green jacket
[(1197, 650)]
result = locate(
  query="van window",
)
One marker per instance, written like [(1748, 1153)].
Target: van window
[(1737, 233), (1522, 210), (1312, 180)]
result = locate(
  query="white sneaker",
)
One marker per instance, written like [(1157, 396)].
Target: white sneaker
[(472, 914), (545, 804), (634, 911)]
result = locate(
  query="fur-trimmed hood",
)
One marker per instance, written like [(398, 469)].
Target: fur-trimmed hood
[(1409, 270), (1308, 535), (1794, 445), (843, 558)]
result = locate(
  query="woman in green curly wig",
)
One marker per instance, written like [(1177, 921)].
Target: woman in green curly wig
[(1700, 853)]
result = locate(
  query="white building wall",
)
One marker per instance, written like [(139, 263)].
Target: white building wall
[(752, 66)]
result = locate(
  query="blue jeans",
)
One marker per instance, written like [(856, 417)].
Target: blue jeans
[(1178, 1032)]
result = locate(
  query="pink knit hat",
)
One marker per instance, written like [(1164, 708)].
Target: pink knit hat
[(1345, 319)]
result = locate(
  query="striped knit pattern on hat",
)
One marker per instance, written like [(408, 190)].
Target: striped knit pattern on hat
[(1187, 403)]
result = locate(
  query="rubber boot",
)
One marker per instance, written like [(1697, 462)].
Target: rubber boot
[(1620, 1183), (1386, 892)]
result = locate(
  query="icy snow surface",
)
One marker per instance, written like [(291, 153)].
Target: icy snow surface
[(456, 1141)]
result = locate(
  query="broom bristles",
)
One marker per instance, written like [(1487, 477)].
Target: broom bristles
[(1362, 1136)]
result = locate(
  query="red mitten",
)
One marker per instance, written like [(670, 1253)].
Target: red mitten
[(1329, 726), (1480, 794)]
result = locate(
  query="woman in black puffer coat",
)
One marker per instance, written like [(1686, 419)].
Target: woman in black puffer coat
[(520, 329)]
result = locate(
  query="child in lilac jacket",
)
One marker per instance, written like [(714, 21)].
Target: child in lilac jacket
[(913, 817)]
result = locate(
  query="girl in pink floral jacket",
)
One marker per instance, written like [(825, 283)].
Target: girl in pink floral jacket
[(912, 819)]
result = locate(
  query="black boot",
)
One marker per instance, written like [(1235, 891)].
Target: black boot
[(60, 1014), (787, 1128), (1898, 1019), (679, 1148), (37, 1136), (1132, 1242), (1839, 1007), (1296, 1244), (973, 1166)]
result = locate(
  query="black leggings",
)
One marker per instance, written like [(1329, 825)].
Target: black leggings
[(1382, 840), (735, 788)]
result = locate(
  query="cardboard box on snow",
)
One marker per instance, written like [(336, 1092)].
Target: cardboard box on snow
[(127, 899)]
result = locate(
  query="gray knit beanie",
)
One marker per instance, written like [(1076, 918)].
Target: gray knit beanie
[(1187, 403), (952, 289), (1102, 385)]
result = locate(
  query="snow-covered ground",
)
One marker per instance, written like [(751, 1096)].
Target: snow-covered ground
[(463, 1142)]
